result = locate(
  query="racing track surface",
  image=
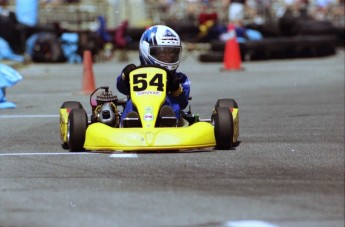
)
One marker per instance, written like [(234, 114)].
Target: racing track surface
[(287, 171)]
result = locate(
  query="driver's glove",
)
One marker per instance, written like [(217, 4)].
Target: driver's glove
[(175, 88), (125, 73)]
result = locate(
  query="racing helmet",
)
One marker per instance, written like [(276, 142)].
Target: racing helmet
[(160, 45)]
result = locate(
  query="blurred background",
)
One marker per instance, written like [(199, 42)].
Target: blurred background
[(61, 30)]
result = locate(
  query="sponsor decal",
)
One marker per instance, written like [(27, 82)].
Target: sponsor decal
[(169, 36), (148, 93), (148, 116)]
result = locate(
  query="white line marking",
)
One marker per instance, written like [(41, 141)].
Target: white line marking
[(249, 223), (30, 116), (123, 156), (35, 154)]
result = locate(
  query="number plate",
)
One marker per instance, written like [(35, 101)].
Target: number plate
[(148, 92)]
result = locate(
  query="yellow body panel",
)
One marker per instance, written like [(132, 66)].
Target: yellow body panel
[(146, 95), (236, 118), (63, 124), (102, 137)]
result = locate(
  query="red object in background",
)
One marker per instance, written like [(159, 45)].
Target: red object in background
[(120, 35), (204, 17), (88, 77), (232, 55)]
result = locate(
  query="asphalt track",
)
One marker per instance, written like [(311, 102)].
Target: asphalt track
[(288, 169)]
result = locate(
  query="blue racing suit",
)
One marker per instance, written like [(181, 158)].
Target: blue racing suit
[(177, 103)]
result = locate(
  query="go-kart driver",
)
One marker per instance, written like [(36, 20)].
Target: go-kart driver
[(159, 45)]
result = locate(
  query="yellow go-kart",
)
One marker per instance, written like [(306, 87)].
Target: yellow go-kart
[(148, 90)]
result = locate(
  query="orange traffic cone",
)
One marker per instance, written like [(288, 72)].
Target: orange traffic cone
[(88, 78), (232, 56)]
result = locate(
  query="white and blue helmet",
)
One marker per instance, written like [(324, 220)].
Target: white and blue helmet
[(160, 45)]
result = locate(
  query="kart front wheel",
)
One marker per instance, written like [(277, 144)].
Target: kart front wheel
[(229, 103), (76, 129), (68, 105), (223, 128), (72, 105)]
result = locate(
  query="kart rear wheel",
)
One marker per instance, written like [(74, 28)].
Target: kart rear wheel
[(229, 103), (72, 105), (223, 127), (76, 129)]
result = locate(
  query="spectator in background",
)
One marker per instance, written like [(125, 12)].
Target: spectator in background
[(322, 9), (236, 11), (303, 6), (3, 3), (264, 9), (121, 40), (10, 36), (209, 28)]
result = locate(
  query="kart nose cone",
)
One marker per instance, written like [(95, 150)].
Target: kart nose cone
[(102, 137)]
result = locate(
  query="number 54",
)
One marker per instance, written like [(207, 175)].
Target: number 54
[(140, 82)]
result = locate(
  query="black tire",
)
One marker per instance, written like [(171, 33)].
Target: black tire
[(72, 105), (77, 125), (223, 128), (211, 57), (218, 46), (229, 103)]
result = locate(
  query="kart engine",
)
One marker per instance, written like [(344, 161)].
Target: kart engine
[(107, 114), (106, 111)]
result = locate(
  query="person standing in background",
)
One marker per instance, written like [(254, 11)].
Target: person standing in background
[(236, 11)]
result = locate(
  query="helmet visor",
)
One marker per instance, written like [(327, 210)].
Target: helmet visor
[(166, 54)]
